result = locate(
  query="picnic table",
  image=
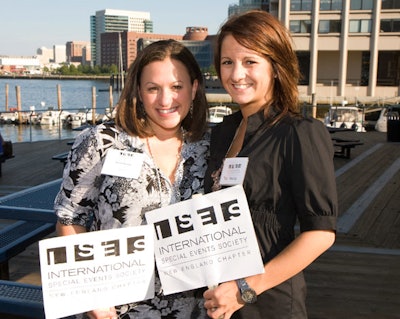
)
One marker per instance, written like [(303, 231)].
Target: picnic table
[(30, 217), (25, 218), (343, 146)]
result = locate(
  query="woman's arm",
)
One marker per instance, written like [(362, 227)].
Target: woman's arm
[(293, 259), (65, 230)]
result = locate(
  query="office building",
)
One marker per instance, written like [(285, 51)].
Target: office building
[(247, 5), (45, 55), (348, 49), (60, 55), (76, 52), (110, 20), (122, 47)]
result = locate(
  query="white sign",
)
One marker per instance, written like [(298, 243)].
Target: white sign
[(205, 241), (96, 270), (233, 171), (123, 163)]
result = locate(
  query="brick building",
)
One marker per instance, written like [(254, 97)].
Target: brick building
[(110, 44)]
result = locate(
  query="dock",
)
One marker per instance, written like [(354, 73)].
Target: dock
[(359, 277)]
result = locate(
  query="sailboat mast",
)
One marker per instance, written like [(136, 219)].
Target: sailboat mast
[(121, 64)]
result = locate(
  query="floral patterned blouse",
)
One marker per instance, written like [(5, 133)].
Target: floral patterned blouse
[(97, 201)]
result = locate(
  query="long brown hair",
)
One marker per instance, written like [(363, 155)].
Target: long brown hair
[(130, 115), (261, 32)]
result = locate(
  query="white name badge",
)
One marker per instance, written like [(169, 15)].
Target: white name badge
[(233, 171), (123, 163)]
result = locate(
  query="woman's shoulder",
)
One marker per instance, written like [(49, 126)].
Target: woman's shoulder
[(305, 126), (199, 147), (105, 134)]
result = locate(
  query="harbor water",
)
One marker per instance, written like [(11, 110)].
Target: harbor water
[(41, 95)]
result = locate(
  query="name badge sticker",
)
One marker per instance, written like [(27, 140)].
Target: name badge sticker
[(233, 171), (123, 163)]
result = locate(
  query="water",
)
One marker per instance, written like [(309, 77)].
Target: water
[(41, 95)]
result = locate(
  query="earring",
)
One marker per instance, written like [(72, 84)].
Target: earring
[(141, 110), (191, 109)]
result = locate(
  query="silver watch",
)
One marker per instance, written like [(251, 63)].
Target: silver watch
[(247, 294)]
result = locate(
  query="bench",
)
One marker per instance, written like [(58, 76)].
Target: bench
[(16, 237), (20, 299), (62, 157), (30, 218), (343, 148)]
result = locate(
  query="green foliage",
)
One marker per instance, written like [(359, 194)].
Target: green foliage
[(87, 70), (210, 70)]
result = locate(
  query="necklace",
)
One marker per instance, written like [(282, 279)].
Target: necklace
[(178, 154), (173, 179)]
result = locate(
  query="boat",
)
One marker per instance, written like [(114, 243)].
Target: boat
[(216, 113), (10, 117), (84, 116), (345, 117), (52, 117), (13, 116)]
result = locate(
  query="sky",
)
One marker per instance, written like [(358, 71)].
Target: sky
[(26, 25)]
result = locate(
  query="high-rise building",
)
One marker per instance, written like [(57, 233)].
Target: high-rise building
[(247, 5), (110, 20), (348, 50)]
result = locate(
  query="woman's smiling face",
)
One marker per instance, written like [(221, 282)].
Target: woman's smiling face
[(247, 76), (167, 93)]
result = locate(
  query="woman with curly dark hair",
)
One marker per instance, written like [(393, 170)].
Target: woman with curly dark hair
[(161, 115)]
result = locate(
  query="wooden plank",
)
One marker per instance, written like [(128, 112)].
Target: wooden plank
[(381, 222), (341, 284), (351, 285)]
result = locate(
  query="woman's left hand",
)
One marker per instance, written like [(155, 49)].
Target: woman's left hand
[(222, 301)]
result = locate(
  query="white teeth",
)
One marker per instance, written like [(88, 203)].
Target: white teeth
[(240, 86), (166, 111)]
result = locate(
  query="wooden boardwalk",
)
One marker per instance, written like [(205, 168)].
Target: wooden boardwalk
[(359, 277)]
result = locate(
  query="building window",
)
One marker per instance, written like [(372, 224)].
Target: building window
[(300, 5), (388, 68), (365, 68), (390, 4), (329, 26), (304, 65), (390, 25), (300, 26), (361, 4), (330, 5), (360, 26)]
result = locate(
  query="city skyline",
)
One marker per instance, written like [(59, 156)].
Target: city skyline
[(31, 25)]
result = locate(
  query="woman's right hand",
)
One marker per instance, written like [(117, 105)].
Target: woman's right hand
[(104, 313)]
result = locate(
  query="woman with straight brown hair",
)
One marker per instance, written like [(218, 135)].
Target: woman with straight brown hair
[(290, 175)]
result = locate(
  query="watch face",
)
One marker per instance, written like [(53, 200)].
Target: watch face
[(249, 296)]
